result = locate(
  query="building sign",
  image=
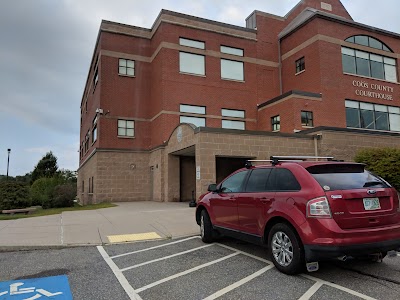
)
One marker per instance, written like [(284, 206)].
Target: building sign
[(198, 173), (55, 287), (373, 90)]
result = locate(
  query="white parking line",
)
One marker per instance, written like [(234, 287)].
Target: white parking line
[(342, 288), (245, 253), (130, 291), (185, 272), (312, 290), (155, 247), (339, 287), (165, 257), (238, 283)]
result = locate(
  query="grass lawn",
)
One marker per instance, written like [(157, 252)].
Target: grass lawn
[(54, 211)]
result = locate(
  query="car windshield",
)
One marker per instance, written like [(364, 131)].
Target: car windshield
[(345, 177)]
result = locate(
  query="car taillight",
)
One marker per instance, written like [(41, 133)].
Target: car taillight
[(319, 208), (398, 198)]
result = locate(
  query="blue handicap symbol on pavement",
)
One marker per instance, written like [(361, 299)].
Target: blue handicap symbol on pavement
[(55, 287)]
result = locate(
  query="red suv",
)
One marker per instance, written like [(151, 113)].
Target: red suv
[(304, 211)]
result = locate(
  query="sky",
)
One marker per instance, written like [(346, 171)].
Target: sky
[(46, 47)]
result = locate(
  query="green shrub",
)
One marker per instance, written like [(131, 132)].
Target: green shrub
[(14, 195), (42, 190), (384, 162), (64, 195)]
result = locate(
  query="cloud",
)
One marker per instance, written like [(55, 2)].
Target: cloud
[(46, 48)]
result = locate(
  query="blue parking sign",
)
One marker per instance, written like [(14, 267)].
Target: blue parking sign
[(55, 287)]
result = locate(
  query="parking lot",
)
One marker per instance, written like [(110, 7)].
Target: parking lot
[(189, 269)]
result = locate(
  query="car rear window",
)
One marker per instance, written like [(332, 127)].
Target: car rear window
[(345, 177)]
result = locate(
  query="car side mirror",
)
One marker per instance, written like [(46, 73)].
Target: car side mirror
[(212, 188)]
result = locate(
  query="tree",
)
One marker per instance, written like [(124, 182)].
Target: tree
[(46, 167), (384, 162), (68, 175)]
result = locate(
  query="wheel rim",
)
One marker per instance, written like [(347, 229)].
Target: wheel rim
[(282, 249), (202, 226)]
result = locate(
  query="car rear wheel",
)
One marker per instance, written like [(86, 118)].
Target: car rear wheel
[(206, 229), (285, 249)]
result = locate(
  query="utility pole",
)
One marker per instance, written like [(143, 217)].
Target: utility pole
[(8, 161)]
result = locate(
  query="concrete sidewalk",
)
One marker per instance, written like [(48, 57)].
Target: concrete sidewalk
[(92, 227)]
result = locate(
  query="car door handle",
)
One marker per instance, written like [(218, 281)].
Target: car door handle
[(266, 200), (232, 198)]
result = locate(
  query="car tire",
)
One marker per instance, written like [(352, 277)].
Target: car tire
[(286, 249), (206, 229)]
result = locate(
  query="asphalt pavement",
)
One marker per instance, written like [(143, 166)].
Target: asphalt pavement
[(127, 222)]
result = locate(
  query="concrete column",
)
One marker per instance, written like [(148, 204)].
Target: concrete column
[(172, 184)]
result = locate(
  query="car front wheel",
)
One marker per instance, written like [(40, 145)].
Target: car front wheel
[(285, 249), (206, 230)]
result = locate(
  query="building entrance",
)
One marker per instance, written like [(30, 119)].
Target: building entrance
[(227, 165)]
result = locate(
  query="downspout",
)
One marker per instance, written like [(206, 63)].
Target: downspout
[(280, 66), (316, 137)]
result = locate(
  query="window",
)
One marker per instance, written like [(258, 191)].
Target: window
[(94, 133), (126, 128), (96, 77), (284, 180), (126, 67), (232, 51), (307, 118), (372, 116), (368, 41), (229, 124), (83, 186), (231, 69), (94, 130), (87, 141), (91, 185), (234, 183), (368, 64), (233, 113), (300, 65), (192, 43), (276, 123), (198, 122), (258, 180), (192, 63), (193, 109), (233, 124), (345, 177)]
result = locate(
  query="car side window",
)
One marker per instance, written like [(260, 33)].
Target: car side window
[(234, 183), (258, 180), (284, 180)]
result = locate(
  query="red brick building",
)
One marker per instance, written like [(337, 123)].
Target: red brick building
[(311, 82)]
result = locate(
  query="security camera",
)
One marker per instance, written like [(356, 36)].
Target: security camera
[(99, 111)]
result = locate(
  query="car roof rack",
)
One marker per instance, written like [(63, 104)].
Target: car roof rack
[(274, 160)]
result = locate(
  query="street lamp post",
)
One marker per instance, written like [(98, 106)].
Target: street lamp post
[(8, 161)]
